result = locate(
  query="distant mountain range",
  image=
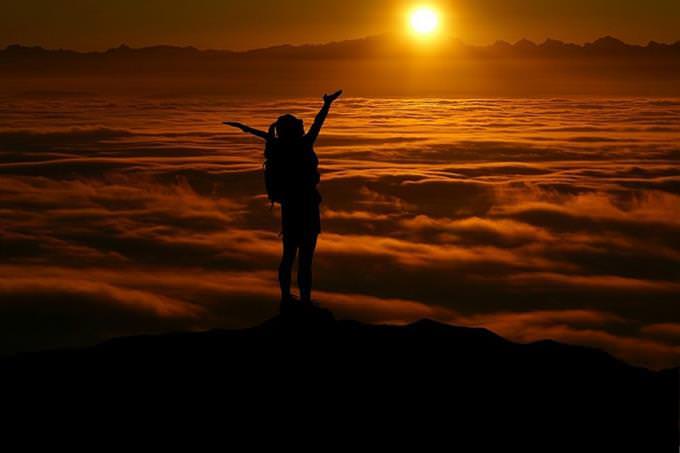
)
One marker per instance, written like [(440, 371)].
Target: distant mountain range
[(372, 47), (385, 65)]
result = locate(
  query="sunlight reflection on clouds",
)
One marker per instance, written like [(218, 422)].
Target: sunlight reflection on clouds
[(537, 218)]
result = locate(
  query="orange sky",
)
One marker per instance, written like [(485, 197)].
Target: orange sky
[(89, 24)]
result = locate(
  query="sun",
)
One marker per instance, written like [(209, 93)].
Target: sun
[(424, 20)]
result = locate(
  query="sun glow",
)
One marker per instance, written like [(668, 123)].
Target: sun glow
[(424, 20)]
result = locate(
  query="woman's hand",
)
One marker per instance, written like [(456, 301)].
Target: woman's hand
[(329, 98), (235, 124)]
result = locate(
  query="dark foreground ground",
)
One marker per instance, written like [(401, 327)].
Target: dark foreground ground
[(425, 385)]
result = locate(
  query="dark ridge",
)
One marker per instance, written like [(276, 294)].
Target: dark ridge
[(501, 45), (374, 46), (608, 43), (426, 382), (525, 44)]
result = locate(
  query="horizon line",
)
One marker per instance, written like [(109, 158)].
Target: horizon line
[(323, 43)]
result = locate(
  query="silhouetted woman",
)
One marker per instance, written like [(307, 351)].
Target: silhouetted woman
[(300, 198)]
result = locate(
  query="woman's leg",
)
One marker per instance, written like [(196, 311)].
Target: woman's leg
[(307, 247), (286, 267)]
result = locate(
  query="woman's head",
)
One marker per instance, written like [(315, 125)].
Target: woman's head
[(289, 127)]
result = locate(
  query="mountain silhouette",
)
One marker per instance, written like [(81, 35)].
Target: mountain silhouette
[(525, 45), (16, 56), (425, 382), (365, 67), (608, 43)]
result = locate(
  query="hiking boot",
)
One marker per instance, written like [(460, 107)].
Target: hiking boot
[(289, 305), (310, 303)]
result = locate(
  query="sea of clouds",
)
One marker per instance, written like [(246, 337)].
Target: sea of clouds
[(542, 218)]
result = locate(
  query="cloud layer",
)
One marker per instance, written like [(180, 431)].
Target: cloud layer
[(536, 218)]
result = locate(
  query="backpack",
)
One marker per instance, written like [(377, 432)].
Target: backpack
[(273, 172)]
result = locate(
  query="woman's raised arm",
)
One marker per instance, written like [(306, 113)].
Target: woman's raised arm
[(248, 129), (321, 116)]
